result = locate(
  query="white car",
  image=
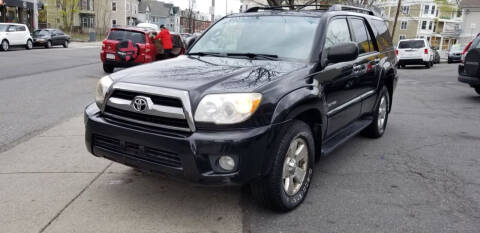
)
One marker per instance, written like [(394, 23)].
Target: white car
[(414, 52), (12, 34)]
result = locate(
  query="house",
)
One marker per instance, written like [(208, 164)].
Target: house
[(83, 17), (438, 23), (471, 20), (160, 13), (194, 21)]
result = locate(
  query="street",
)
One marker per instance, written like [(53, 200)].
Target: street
[(422, 176)]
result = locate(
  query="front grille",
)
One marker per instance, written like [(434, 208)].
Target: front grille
[(134, 150), (158, 100), (157, 120)]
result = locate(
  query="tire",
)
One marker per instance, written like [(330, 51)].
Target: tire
[(65, 44), (428, 65), (29, 45), (380, 116), (108, 68), (5, 45), (403, 66), (272, 191), (48, 45), (449, 61), (477, 89)]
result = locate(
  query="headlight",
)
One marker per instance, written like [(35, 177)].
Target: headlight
[(227, 108), (102, 88)]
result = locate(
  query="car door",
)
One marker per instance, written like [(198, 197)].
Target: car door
[(367, 77), (338, 79), (21, 34), (54, 37), (12, 36), (61, 37)]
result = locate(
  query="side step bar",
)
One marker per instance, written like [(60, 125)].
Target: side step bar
[(344, 135)]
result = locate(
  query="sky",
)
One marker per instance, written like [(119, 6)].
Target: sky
[(204, 5)]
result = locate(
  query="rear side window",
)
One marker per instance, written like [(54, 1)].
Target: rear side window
[(337, 33), (176, 41), (384, 40), (121, 35), (21, 28), (362, 37), (411, 44)]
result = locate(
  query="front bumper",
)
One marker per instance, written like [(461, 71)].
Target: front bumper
[(454, 58), (411, 61), (191, 156)]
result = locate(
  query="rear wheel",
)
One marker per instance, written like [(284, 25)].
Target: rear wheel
[(287, 185), (428, 65), (108, 68), (5, 46), (65, 44), (29, 45), (380, 116), (48, 45)]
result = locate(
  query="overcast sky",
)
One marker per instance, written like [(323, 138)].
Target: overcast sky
[(204, 5)]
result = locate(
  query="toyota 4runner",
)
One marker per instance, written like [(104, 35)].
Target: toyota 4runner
[(256, 100)]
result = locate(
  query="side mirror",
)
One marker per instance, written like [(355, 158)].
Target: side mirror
[(342, 52), (190, 42)]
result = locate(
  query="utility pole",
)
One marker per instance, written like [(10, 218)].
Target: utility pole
[(212, 11), (396, 18), (226, 7), (35, 14)]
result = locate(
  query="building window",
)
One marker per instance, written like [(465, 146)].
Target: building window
[(433, 10), (430, 25), (434, 27), (405, 10), (114, 6), (424, 25), (403, 26), (427, 9), (401, 37), (114, 22)]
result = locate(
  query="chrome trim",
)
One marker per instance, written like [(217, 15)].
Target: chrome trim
[(158, 91), (147, 123), (355, 100), (152, 109)]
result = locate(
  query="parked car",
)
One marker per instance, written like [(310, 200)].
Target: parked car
[(12, 34), (151, 26), (436, 56), (414, 52), (50, 37), (469, 68), (251, 102), (455, 53), (126, 47)]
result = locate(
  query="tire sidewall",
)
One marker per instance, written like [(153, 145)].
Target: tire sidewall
[(65, 44), (300, 130), (1, 45), (29, 44), (380, 131)]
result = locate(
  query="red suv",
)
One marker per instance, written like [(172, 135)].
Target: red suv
[(125, 47)]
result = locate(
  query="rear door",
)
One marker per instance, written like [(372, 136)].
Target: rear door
[(365, 67), (472, 59), (21, 34), (12, 35)]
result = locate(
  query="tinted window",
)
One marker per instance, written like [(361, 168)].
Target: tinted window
[(384, 40), (41, 33), (284, 36), (411, 44), (11, 28), (337, 33), (476, 43), (120, 35), (362, 37), (21, 28), (59, 32)]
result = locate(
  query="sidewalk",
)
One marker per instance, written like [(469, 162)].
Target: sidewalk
[(85, 44), (50, 183)]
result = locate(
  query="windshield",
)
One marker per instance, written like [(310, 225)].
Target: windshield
[(41, 33), (411, 44), (120, 35), (3, 27), (283, 36)]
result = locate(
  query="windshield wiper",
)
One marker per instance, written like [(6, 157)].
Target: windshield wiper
[(255, 56), (208, 54)]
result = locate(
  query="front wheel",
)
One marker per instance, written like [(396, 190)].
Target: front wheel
[(108, 68), (48, 45), (5, 45), (286, 186), (477, 89), (65, 44), (428, 65), (29, 45), (380, 116)]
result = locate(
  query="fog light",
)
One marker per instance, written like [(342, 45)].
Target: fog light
[(226, 163)]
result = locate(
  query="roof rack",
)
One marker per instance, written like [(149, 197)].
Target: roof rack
[(318, 7)]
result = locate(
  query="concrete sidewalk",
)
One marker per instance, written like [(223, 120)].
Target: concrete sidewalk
[(50, 183)]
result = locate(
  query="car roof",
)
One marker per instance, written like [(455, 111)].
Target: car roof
[(135, 29)]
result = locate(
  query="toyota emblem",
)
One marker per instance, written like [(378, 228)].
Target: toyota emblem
[(140, 104)]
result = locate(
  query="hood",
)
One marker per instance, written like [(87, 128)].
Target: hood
[(200, 75)]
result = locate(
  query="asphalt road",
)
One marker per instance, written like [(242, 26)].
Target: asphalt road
[(41, 87), (422, 176)]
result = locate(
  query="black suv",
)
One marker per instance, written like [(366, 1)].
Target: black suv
[(469, 68), (257, 99)]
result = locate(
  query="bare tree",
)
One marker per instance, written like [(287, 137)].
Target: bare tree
[(102, 17), (68, 10), (396, 17), (191, 16)]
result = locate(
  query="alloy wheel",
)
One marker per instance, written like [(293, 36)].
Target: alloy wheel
[(5, 45), (29, 44), (382, 113), (295, 166)]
